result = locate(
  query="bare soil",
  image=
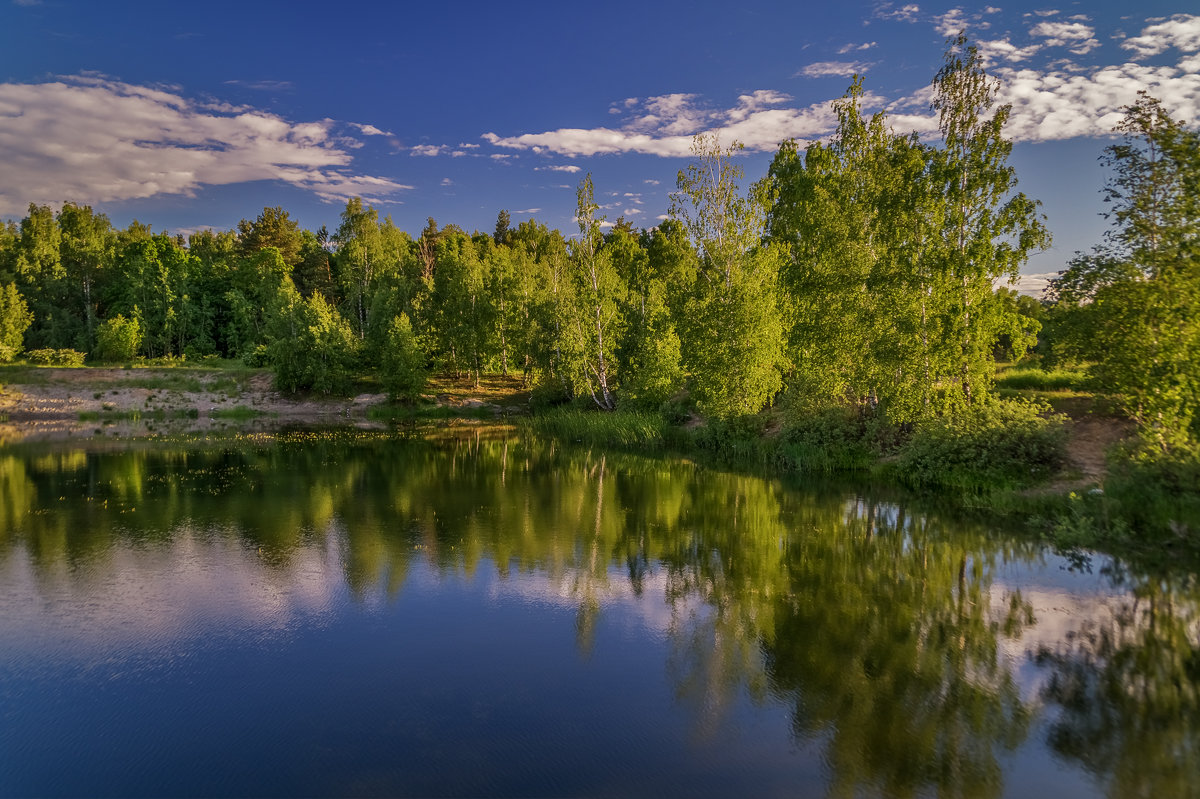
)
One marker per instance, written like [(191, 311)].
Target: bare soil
[(47, 403)]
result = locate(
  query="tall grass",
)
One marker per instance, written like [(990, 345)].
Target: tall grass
[(1034, 378), (619, 428)]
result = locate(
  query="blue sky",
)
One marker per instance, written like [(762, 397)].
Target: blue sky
[(193, 115)]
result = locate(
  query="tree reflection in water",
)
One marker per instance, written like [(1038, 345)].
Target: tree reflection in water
[(881, 629)]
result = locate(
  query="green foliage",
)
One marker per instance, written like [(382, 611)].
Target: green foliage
[(312, 347), (118, 339), (51, 357), (988, 447), (624, 428), (833, 440), (1156, 491), (1029, 377), (731, 331), (1132, 307), (14, 321), (402, 365), (592, 322)]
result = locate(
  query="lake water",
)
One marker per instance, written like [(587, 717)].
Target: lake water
[(479, 614)]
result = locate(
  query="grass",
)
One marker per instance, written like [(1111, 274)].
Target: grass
[(619, 428), (1030, 376), (505, 391)]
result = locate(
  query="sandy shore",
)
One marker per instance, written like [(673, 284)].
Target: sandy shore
[(65, 403)]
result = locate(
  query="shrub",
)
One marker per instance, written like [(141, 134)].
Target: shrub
[(257, 358), (833, 439), (118, 339), (55, 357), (988, 446), (402, 362), (14, 321), (1158, 490)]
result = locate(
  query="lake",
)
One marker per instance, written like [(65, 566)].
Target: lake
[(481, 613)]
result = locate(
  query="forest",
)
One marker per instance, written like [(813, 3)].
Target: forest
[(864, 276)]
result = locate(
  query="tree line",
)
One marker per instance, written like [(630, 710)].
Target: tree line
[(862, 270)]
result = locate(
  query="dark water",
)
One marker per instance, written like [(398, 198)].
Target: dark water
[(350, 614)]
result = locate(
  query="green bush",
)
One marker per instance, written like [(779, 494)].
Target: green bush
[(50, 357), (833, 439), (989, 446), (257, 358), (118, 339), (402, 362), (1158, 490)]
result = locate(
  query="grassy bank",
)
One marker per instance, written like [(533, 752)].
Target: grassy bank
[(1007, 457)]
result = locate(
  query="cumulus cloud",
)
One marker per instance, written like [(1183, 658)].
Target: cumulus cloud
[(1181, 31), (94, 139), (1076, 36), (1059, 100), (993, 52), (1058, 104), (851, 48), (569, 168), (950, 23), (665, 126)]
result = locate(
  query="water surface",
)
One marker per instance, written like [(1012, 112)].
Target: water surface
[(342, 613)]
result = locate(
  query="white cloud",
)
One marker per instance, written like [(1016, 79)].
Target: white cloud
[(1181, 31), (651, 182), (1046, 12), (93, 139), (447, 182), (1033, 284), (754, 120), (841, 69), (428, 150), (1057, 104), (906, 13), (1060, 100), (852, 48), (528, 211), (1076, 36), (569, 168), (369, 130), (992, 52), (950, 23)]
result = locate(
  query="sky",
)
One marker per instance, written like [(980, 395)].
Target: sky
[(192, 116)]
